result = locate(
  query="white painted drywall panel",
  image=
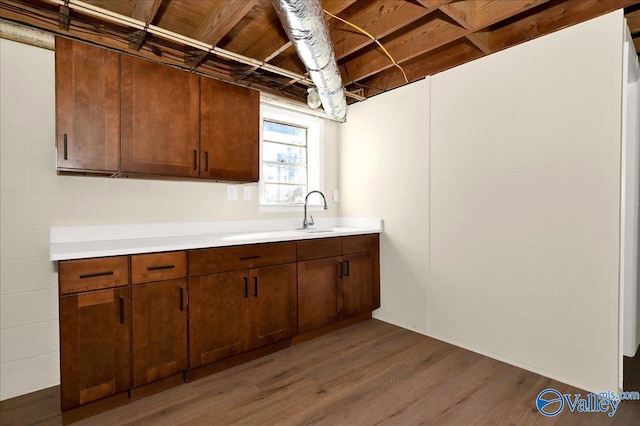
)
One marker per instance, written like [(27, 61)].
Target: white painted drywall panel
[(525, 198), (384, 173)]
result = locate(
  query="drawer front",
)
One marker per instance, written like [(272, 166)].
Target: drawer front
[(92, 274), (158, 266), (360, 243), (319, 248), (223, 259)]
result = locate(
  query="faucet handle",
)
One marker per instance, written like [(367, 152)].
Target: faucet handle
[(310, 221)]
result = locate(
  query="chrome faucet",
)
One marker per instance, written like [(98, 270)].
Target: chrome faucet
[(309, 222)]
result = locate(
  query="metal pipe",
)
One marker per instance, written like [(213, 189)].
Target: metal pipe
[(303, 21), (15, 32)]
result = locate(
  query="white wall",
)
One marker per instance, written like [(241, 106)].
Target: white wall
[(520, 179), (33, 197), (383, 173), (525, 193)]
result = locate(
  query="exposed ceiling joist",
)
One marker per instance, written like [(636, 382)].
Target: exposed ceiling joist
[(249, 46)]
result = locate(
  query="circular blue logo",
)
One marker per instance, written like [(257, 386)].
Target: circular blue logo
[(549, 402)]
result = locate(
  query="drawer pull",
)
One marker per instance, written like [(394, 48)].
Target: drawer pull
[(121, 310), (95, 274), (181, 299), (158, 268), (257, 256), (246, 287)]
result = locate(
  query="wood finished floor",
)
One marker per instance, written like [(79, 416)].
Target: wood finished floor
[(368, 374)]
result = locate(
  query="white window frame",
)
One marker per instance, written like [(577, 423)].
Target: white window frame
[(315, 155)]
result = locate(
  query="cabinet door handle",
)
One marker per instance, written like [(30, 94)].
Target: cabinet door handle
[(181, 299), (246, 287), (340, 270), (257, 256), (346, 274), (195, 159), (206, 161), (255, 286), (95, 274), (64, 143), (157, 268), (121, 310)]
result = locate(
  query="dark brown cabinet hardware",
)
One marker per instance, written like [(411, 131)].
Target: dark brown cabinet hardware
[(181, 298), (158, 268), (66, 157), (206, 161), (121, 310), (255, 286), (246, 287), (346, 262), (257, 256), (340, 275), (96, 274), (195, 159)]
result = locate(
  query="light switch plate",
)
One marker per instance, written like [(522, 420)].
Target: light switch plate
[(246, 192), (336, 196), (232, 192)]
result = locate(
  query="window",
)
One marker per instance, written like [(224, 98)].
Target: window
[(284, 162), (290, 157)]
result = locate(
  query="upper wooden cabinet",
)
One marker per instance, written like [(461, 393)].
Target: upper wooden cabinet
[(229, 131), (124, 116), (87, 107), (160, 119)]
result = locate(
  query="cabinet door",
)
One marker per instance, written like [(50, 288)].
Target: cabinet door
[(94, 345), (218, 317), (318, 290), (159, 317), (87, 107), (230, 133), (160, 113), (273, 304), (358, 283)]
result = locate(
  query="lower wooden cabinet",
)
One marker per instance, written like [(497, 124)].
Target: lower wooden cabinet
[(218, 317), (128, 322), (272, 304), (232, 312), (338, 279), (159, 324), (95, 345), (318, 302), (358, 277)]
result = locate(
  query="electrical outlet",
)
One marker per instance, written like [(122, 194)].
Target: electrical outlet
[(336, 196), (246, 192), (232, 192)]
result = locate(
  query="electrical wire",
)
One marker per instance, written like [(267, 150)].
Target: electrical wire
[(372, 38)]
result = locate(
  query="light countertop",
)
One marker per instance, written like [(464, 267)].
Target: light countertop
[(79, 242)]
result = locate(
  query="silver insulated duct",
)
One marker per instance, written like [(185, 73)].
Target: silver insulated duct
[(303, 20)]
